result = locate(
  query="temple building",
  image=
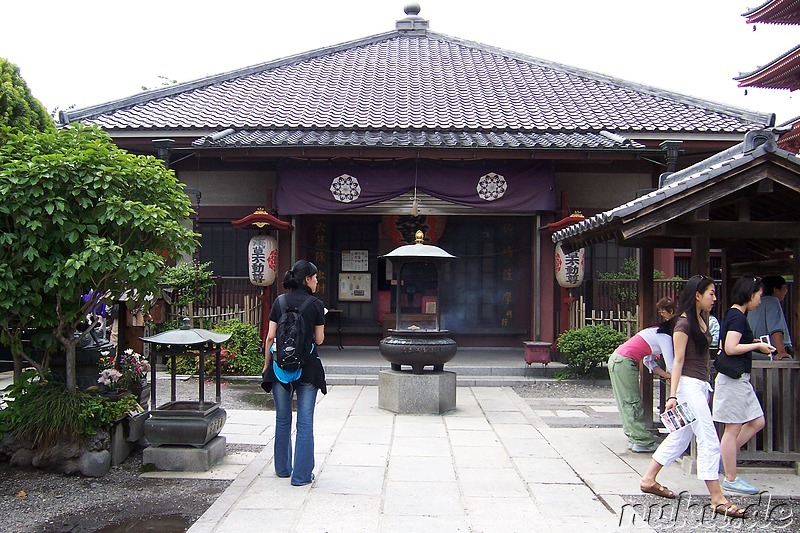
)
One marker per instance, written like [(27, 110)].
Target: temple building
[(357, 145)]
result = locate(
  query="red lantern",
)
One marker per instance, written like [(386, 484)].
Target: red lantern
[(262, 260), (569, 267)]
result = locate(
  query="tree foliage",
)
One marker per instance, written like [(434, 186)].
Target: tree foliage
[(19, 110), (192, 281), (77, 213)]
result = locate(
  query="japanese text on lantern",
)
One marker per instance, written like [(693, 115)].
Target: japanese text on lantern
[(257, 261), (572, 267)]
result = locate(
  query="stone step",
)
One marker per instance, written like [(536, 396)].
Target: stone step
[(476, 370), (461, 381)]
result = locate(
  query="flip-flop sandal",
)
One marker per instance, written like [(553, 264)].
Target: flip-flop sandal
[(729, 509), (659, 490)]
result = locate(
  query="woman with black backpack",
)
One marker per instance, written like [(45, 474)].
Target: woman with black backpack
[(305, 377)]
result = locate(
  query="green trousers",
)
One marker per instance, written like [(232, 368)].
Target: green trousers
[(624, 374)]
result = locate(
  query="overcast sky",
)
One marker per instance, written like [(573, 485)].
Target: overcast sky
[(84, 52)]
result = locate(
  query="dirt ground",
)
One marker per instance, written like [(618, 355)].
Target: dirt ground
[(32, 500)]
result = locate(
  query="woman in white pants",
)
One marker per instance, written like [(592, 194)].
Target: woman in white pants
[(690, 374)]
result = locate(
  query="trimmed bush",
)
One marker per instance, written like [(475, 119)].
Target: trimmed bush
[(589, 347), (242, 354)]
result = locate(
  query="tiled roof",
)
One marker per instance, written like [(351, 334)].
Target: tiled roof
[(406, 88), (426, 138), (734, 157)]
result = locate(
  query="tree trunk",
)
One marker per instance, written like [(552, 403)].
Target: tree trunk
[(69, 344), (71, 373)]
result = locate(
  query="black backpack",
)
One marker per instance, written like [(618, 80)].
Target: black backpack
[(293, 341)]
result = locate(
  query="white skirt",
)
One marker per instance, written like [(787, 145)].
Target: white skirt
[(735, 401)]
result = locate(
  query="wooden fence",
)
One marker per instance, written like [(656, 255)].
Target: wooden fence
[(622, 294), (777, 384), (249, 312), (624, 321)]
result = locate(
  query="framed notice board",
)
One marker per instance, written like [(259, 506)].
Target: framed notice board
[(355, 260), (355, 287)]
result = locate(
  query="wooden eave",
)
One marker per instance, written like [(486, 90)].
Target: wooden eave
[(754, 204)]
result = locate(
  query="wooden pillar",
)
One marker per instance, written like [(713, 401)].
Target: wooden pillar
[(645, 319), (701, 251), (647, 306), (794, 312)]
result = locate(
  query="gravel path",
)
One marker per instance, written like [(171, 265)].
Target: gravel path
[(35, 501)]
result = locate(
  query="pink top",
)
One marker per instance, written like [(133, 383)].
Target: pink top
[(634, 348), (647, 345)]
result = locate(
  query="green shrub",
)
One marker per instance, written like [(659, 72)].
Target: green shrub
[(588, 347), (241, 355), (46, 412), (193, 280)]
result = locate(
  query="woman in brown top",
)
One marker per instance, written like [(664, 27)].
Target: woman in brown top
[(690, 375)]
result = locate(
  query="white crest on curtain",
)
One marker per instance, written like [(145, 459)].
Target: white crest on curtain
[(491, 186), (345, 188)]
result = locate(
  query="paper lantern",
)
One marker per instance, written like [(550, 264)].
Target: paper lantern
[(569, 267), (262, 260)]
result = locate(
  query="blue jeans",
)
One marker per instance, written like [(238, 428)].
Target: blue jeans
[(304, 446)]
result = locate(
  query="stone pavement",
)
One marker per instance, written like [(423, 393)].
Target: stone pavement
[(493, 464), (499, 462)]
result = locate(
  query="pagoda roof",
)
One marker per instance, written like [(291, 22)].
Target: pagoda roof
[(414, 87), (781, 73), (775, 12)]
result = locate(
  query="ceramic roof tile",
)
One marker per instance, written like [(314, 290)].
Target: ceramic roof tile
[(412, 81), (379, 138)]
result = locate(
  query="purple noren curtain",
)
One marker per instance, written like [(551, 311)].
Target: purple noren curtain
[(509, 186)]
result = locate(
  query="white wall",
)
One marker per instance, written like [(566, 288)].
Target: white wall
[(228, 188), (599, 191)]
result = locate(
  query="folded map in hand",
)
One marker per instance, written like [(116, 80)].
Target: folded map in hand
[(679, 416)]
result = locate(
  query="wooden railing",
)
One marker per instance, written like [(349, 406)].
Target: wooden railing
[(777, 385), (205, 316), (622, 294)]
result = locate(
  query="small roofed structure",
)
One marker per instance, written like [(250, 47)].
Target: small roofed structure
[(744, 201)]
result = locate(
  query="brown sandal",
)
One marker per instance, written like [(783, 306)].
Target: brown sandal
[(729, 509), (659, 490)]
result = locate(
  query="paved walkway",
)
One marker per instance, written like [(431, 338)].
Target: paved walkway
[(493, 464), (499, 462)]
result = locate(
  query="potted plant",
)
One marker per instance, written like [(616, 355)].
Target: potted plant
[(127, 372)]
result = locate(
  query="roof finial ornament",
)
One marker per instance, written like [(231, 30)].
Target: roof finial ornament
[(412, 9), (412, 22)]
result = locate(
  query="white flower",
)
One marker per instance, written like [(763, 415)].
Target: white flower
[(109, 376)]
